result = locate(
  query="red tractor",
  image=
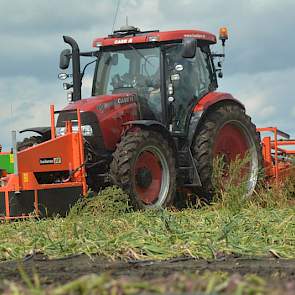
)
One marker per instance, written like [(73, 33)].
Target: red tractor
[(155, 122)]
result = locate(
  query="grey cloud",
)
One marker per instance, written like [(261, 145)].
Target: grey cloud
[(260, 31), (29, 101), (34, 17), (268, 97), (31, 33)]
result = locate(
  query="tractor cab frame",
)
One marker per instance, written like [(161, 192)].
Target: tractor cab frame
[(166, 84), (168, 71)]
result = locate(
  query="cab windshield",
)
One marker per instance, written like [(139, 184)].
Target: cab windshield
[(127, 70)]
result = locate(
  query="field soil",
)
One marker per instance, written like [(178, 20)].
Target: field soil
[(59, 271)]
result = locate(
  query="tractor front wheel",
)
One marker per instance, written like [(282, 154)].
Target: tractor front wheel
[(144, 167)]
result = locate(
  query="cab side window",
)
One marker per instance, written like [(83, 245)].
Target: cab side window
[(190, 79)]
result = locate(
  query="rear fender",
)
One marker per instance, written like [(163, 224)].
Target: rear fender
[(213, 98), (207, 104)]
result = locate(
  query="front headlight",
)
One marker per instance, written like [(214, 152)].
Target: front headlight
[(86, 130)]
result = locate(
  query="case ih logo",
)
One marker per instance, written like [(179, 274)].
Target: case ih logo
[(123, 41), (118, 101), (50, 161), (127, 99)]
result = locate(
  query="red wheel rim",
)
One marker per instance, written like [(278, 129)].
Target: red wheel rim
[(231, 143), (148, 167)]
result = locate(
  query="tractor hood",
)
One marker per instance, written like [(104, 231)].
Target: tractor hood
[(102, 103), (103, 116)]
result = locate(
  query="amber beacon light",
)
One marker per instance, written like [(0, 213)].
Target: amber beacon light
[(223, 35)]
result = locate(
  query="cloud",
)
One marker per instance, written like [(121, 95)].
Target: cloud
[(268, 96), (33, 17), (31, 33), (260, 32), (25, 103)]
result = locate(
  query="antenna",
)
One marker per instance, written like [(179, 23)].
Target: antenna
[(115, 15)]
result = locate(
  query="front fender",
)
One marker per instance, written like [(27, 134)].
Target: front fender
[(152, 125)]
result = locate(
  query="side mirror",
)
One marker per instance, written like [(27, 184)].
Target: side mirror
[(189, 46), (65, 57)]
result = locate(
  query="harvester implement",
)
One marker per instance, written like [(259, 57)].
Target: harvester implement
[(278, 157), (47, 179)]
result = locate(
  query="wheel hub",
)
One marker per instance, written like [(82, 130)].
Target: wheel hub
[(144, 177), (151, 176)]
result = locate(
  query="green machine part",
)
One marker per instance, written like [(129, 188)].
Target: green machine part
[(7, 162)]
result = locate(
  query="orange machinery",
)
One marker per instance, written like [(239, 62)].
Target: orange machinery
[(48, 178), (279, 160)]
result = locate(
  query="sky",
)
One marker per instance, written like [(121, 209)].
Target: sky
[(259, 69)]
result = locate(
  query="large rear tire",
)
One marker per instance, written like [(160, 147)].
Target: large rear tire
[(228, 132), (144, 167)]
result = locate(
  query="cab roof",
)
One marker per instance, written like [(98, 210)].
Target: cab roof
[(135, 36)]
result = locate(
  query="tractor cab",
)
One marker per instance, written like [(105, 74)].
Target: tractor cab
[(166, 84), (166, 72)]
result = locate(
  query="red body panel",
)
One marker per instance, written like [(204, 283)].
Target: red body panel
[(212, 98), (162, 36), (111, 111)]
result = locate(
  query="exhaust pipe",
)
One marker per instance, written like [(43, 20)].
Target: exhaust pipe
[(75, 67)]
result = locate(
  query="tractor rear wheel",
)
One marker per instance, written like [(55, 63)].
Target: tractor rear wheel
[(227, 132), (144, 167)]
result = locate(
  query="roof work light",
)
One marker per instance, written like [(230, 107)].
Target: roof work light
[(223, 35)]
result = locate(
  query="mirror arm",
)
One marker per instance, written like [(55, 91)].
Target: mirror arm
[(91, 53), (83, 72), (75, 67)]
